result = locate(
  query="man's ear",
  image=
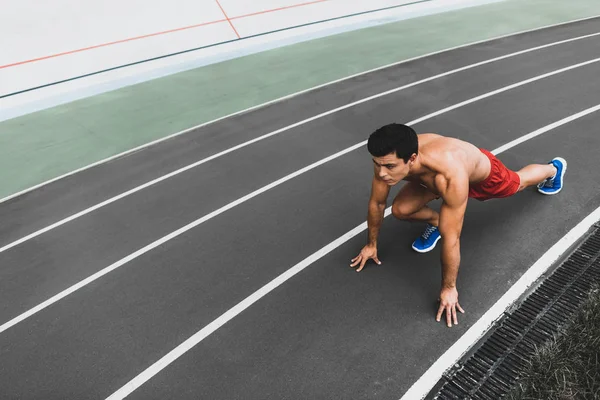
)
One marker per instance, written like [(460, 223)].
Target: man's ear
[(412, 158)]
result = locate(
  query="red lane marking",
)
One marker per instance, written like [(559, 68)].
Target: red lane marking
[(228, 20), (279, 9), (162, 33), (111, 43)]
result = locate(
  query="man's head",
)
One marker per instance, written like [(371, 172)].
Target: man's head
[(394, 148)]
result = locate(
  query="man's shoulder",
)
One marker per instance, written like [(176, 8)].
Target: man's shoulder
[(444, 146), (429, 136), (452, 171)]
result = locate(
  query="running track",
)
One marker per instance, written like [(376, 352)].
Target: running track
[(326, 332)]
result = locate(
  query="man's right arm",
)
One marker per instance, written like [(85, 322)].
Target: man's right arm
[(377, 202), (379, 193)]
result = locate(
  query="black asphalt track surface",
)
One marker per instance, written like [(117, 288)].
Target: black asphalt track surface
[(327, 332)]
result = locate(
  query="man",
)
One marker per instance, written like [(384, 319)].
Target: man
[(435, 167)]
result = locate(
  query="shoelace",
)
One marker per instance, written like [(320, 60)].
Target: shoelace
[(550, 181), (430, 229), (547, 183)]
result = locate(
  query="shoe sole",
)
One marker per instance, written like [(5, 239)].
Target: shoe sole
[(429, 249), (562, 174)]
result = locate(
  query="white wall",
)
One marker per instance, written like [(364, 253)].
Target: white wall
[(45, 42)]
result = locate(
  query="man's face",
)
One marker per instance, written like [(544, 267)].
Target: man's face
[(390, 168)]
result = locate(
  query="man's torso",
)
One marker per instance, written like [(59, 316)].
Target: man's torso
[(447, 157)]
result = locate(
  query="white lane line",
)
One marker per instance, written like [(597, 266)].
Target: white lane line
[(232, 149), (421, 387), (166, 238), (241, 200), (266, 289), (285, 98), (545, 129)]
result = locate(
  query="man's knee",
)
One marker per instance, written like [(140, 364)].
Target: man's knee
[(402, 211)]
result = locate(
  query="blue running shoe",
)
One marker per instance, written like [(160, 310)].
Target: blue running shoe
[(427, 241), (554, 185)]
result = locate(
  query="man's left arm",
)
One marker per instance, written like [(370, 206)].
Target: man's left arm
[(452, 214)]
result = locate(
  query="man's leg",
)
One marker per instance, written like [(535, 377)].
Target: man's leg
[(535, 173), (411, 205), (548, 177)]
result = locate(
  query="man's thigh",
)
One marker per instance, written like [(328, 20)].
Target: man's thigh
[(412, 197)]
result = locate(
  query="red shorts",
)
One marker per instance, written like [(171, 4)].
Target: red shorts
[(502, 182)]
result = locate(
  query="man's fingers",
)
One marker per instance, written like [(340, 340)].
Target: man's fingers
[(448, 316), (454, 316), (362, 264), (376, 260), (460, 308), (355, 261), (439, 314)]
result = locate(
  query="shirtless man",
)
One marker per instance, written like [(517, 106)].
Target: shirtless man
[(435, 167)]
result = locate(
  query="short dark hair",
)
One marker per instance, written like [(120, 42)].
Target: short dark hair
[(398, 138)]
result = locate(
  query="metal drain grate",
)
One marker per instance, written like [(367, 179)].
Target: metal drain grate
[(491, 370)]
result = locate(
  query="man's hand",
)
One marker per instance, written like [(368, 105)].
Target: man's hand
[(449, 303), (369, 251)]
